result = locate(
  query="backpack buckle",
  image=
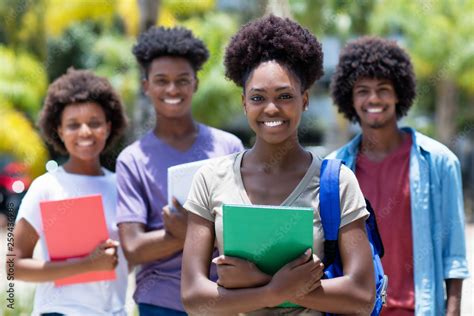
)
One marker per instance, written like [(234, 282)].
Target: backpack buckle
[(383, 292)]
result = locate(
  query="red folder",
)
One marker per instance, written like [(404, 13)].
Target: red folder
[(73, 228)]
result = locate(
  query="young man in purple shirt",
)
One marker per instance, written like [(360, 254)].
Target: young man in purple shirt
[(152, 236)]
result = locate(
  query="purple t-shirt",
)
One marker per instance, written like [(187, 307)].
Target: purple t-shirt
[(142, 171)]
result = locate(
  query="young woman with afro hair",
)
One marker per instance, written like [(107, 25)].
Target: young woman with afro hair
[(82, 116), (151, 234), (412, 181), (275, 61)]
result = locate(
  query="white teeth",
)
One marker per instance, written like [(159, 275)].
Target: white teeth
[(172, 101), (375, 110), (85, 143), (273, 123)]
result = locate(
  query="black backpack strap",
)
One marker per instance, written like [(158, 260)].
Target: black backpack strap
[(374, 230)]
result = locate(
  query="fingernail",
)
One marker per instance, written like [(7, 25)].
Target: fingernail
[(308, 251), (214, 260)]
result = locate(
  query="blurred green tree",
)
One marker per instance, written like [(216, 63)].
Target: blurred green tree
[(22, 81), (339, 18), (439, 37), (20, 140), (217, 100)]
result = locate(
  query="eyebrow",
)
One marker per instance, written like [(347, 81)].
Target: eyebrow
[(361, 85), (263, 90), (165, 75), (73, 119)]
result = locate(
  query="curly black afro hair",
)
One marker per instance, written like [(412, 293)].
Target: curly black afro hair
[(373, 57), (80, 86), (274, 38), (177, 41)]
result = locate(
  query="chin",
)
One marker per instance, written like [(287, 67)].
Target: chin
[(87, 156), (376, 125), (174, 111), (275, 140)]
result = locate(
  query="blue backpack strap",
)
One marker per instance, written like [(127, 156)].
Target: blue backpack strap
[(329, 206)]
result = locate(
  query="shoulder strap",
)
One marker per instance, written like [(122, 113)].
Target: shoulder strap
[(329, 206)]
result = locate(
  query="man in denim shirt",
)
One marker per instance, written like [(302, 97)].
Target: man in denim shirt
[(412, 181)]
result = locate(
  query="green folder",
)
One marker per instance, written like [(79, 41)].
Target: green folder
[(269, 236)]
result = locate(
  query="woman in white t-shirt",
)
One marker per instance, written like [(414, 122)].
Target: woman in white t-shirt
[(82, 115), (276, 61)]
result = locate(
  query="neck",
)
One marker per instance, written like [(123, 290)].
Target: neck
[(276, 157), (380, 141), (178, 128), (83, 167)]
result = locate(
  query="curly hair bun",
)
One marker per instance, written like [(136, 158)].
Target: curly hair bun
[(373, 57), (274, 38), (177, 41)]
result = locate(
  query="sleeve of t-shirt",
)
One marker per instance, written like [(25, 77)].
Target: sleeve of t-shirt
[(198, 201), (131, 203), (29, 207), (352, 200), (451, 233), (237, 145)]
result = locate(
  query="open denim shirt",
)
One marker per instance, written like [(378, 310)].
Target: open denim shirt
[(437, 214)]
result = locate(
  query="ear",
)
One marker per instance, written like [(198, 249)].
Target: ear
[(109, 128), (196, 84), (60, 132), (145, 85), (243, 103), (305, 100)]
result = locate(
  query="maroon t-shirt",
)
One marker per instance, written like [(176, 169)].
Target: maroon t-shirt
[(386, 184)]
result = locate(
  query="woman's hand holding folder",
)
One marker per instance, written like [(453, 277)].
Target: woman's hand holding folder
[(104, 256), (296, 279), (237, 273)]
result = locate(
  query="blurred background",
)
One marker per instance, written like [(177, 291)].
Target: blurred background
[(40, 39)]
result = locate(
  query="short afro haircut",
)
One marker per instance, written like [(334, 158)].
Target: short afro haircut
[(373, 57), (274, 38), (75, 87), (176, 42)]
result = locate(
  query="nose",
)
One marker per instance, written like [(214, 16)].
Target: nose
[(271, 108), (85, 130), (373, 97), (171, 88)]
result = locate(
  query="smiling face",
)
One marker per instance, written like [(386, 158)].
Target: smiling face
[(84, 130), (170, 85), (375, 102), (273, 102)]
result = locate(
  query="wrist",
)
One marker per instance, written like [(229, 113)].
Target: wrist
[(176, 242), (270, 297), (85, 264), (263, 279)]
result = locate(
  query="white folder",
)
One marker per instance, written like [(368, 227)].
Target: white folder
[(180, 178)]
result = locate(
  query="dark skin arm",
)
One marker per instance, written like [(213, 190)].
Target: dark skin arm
[(104, 257), (454, 293), (235, 273), (141, 246), (202, 296), (352, 293)]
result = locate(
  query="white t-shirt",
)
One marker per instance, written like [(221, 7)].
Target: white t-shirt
[(94, 298)]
